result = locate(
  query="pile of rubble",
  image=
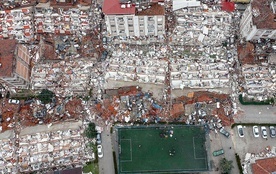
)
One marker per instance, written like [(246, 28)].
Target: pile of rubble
[(210, 108), (128, 104), (51, 19), (8, 157), (43, 147), (250, 158), (202, 25), (17, 23), (260, 81), (141, 64), (45, 150), (257, 73), (65, 78), (187, 73)]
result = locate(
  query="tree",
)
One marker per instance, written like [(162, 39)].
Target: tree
[(46, 96), (90, 131), (225, 165)]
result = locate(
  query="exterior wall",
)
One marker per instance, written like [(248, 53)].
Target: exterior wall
[(250, 31), (131, 25), (23, 60)]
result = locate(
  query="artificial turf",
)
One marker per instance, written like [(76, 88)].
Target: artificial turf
[(153, 150)]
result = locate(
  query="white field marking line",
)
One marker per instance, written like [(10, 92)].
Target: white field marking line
[(194, 150), (130, 142), (169, 170), (165, 171)]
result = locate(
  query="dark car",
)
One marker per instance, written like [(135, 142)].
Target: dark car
[(272, 131), (224, 132), (99, 138)]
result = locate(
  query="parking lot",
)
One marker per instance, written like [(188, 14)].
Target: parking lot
[(249, 143), (217, 142)]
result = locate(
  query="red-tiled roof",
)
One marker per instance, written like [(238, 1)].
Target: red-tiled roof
[(155, 9), (264, 166), (228, 6), (7, 48), (113, 7)]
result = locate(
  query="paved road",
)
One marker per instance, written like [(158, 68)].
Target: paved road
[(218, 141), (106, 164), (256, 114)]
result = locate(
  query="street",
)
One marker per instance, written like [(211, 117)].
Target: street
[(218, 141), (106, 164), (256, 114)]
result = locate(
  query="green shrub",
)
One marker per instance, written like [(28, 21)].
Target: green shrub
[(252, 102), (46, 96), (90, 131)]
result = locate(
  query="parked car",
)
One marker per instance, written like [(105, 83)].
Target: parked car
[(99, 138), (218, 152), (104, 40), (100, 151), (264, 132), (256, 132), (272, 131), (224, 132), (240, 130), (13, 101)]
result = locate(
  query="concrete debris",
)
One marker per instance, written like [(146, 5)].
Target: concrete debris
[(251, 158), (259, 81), (65, 78), (41, 147)]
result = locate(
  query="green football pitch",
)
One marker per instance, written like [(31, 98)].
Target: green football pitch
[(162, 149)]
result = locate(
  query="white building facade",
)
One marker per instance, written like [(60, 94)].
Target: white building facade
[(132, 25), (257, 21)]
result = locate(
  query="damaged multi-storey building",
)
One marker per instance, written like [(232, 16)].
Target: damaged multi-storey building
[(15, 63), (252, 25), (199, 54), (259, 80), (257, 54), (134, 18), (43, 148)]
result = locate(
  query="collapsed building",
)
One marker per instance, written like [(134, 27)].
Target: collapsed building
[(17, 23), (64, 78), (259, 81), (200, 52), (63, 18), (141, 66), (42, 149)]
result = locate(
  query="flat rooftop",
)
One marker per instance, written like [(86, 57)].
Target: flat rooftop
[(7, 49), (263, 16)]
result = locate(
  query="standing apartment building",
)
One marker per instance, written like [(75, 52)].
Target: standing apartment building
[(134, 18), (259, 21), (15, 64)]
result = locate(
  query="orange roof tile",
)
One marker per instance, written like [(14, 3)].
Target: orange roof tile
[(264, 166), (112, 7)]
